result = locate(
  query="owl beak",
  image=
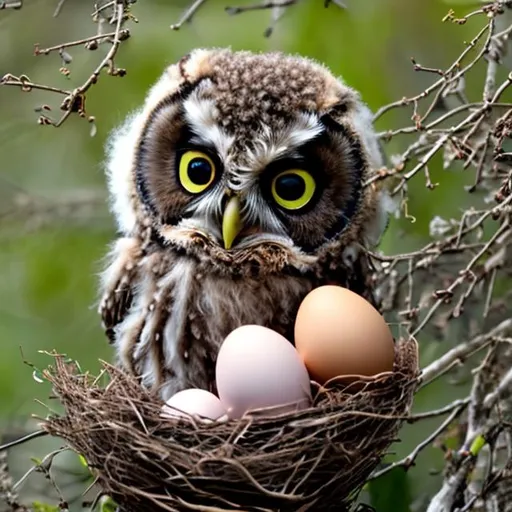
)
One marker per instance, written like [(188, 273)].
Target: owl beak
[(231, 222)]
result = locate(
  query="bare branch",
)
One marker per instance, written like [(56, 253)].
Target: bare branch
[(74, 101), (409, 461), (13, 4), (188, 14), (462, 352)]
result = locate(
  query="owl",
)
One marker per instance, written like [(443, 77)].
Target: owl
[(238, 187)]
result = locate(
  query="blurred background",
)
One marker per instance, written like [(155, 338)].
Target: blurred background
[(55, 225)]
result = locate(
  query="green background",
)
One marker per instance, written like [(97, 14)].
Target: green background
[(51, 252)]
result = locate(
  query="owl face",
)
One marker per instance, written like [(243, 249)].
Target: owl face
[(237, 153)]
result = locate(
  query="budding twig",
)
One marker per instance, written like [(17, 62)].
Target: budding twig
[(74, 101)]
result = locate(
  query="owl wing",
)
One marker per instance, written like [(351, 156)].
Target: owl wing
[(114, 307), (360, 278), (118, 283)]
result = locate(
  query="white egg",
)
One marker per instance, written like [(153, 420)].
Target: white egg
[(194, 402), (258, 368)]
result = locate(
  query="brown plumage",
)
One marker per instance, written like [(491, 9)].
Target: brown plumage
[(238, 187)]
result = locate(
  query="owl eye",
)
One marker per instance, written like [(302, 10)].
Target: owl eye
[(196, 171), (293, 189)]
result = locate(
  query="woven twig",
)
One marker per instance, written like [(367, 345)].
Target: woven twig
[(316, 459)]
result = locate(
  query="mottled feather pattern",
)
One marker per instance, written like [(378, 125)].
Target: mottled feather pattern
[(182, 309), (183, 306), (172, 291)]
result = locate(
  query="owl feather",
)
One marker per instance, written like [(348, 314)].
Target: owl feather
[(237, 188)]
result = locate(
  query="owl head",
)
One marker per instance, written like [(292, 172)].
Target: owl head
[(254, 162)]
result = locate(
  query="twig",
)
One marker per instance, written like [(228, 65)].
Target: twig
[(439, 412), (408, 461), (74, 101), (24, 439), (100, 8), (263, 5), (13, 4), (503, 388), (59, 7), (26, 85), (443, 80), (443, 501), (461, 352), (8, 495), (437, 146), (188, 14), (37, 467), (123, 34)]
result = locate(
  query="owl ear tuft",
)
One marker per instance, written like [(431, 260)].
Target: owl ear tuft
[(182, 65), (192, 66)]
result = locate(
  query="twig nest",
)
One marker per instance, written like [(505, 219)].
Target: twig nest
[(317, 458)]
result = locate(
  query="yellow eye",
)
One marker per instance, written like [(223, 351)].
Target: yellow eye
[(196, 171), (293, 189)]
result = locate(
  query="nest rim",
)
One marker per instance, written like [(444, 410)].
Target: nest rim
[(276, 460)]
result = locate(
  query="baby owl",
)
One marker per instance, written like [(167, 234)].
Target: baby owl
[(238, 187)]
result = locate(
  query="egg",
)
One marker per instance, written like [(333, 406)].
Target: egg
[(337, 332), (258, 368), (194, 402)]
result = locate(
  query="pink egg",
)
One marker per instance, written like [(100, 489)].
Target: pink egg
[(258, 368), (194, 402)]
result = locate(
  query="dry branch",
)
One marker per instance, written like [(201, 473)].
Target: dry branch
[(74, 100)]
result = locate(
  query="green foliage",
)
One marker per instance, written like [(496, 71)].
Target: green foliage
[(107, 504), (477, 445), (83, 461), (37, 506)]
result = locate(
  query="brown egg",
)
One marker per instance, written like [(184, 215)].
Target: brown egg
[(337, 332)]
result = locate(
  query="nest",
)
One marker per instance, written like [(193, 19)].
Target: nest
[(315, 459)]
